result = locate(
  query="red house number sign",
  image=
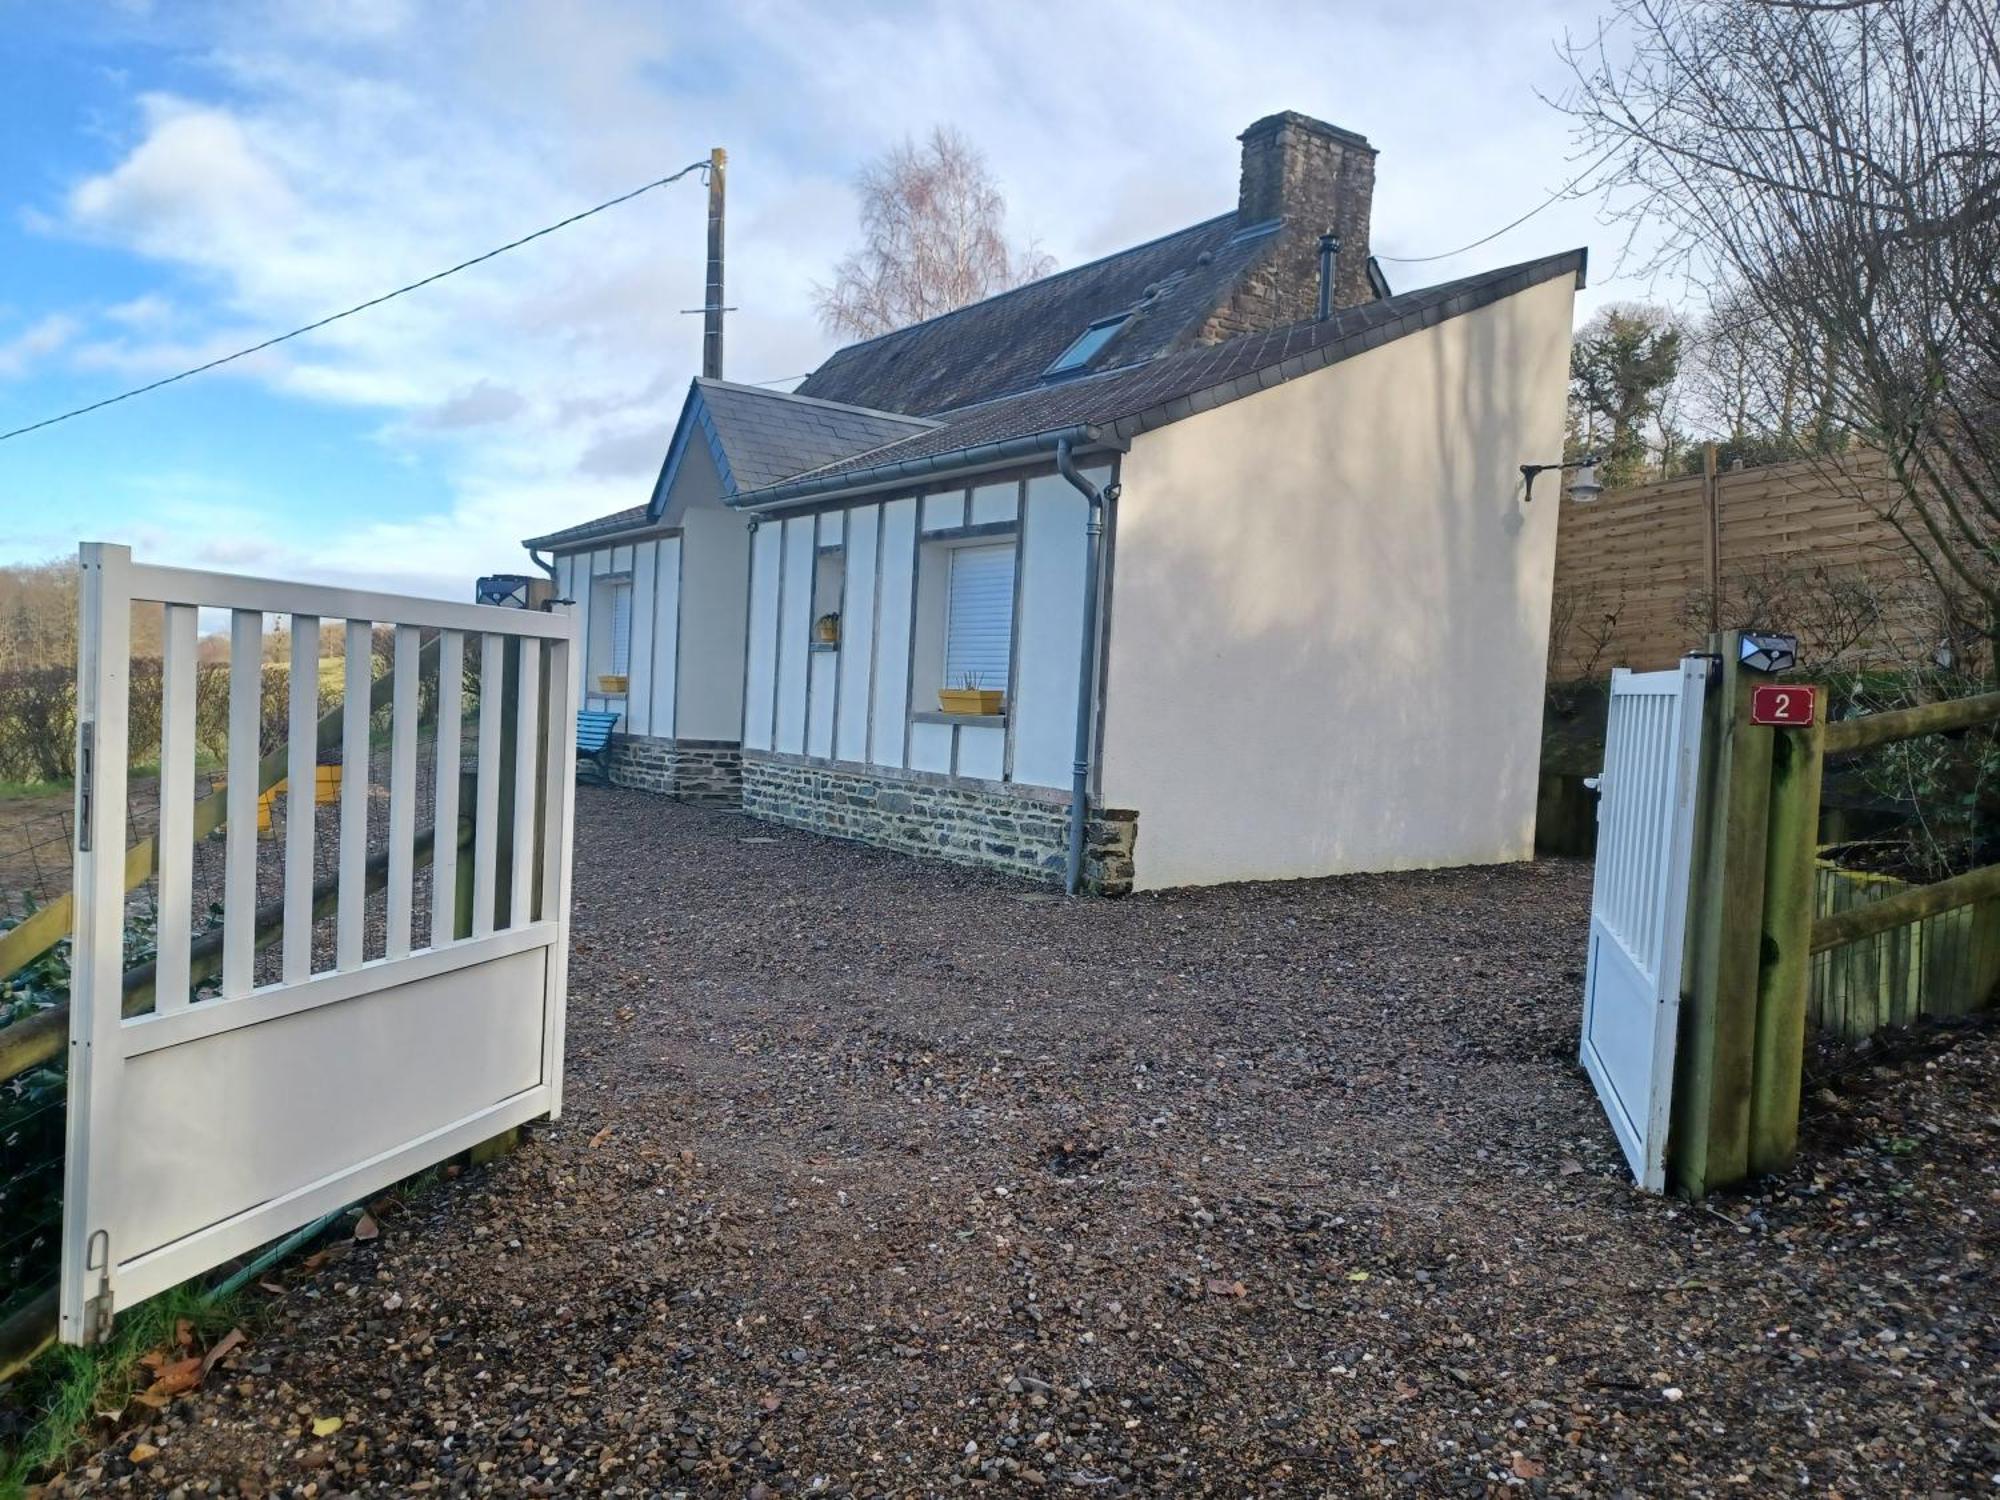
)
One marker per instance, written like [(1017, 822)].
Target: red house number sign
[(1782, 704)]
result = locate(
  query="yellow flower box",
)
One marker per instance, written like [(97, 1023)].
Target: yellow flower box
[(971, 701)]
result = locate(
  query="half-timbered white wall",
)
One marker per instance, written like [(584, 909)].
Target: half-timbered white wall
[(872, 699), (689, 586), (654, 567)]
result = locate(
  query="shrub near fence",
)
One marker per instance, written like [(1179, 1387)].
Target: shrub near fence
[(38, 716)]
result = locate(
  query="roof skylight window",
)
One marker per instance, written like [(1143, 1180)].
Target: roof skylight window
[(1088, 343)]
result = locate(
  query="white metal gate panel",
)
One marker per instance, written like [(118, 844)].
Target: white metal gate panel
[(1638, 908), (209, 1124)]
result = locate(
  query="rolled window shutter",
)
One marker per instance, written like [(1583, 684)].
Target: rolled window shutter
[(621, 629), (980, 623)]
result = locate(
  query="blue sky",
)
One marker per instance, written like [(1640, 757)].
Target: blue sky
[(180, 180)]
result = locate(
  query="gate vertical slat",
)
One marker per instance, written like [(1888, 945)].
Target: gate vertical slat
[(444, 798), (173, 926), (97, 948), (1659, 824), (558, 817), (301, 796), (486, 816), (1620, 770), (354, 777), (402, 793), (527, 757), (239, 882)]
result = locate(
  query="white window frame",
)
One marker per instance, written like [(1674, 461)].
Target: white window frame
[(953, 673), (604, 646)]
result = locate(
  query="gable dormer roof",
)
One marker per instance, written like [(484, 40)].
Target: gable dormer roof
[(759, 436)]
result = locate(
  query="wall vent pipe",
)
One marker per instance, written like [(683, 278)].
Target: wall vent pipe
[(1329, 257)]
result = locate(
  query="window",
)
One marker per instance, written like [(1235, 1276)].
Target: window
[(611, 627), (1079, 354), (979, 617), (829, 581)]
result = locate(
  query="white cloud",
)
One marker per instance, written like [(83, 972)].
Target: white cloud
[(28, 348), (333, 153)]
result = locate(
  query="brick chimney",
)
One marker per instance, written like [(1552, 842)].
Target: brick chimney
[(1314, 178)]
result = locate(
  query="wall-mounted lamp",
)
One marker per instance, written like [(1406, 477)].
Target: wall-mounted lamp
[(1583, 489)]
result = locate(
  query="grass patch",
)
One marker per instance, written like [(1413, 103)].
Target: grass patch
[(67, 1388), (18, 790)]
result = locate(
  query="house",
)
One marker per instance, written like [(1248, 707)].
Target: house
[(1230, 540)]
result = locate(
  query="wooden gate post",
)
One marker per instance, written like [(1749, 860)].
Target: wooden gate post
[(1784, 972), (1713, 1065)]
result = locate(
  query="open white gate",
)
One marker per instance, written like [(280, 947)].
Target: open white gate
[(1638, 906), (204, 1126)]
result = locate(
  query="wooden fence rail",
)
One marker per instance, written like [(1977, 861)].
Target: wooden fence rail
[(1906, 907)]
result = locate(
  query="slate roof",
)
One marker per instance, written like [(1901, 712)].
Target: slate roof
[(1121, 403), (763, 436), (617, 521), (757, 438), (1005, 342)]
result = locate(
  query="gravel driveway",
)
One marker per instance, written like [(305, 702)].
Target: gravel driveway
[(880, 1177)]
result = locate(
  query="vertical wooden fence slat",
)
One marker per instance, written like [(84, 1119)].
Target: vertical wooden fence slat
[(486, 816), (173, 930), (444, 803), (301, 796), (354, 777), (402, 794), (239, 884), (527, 757)]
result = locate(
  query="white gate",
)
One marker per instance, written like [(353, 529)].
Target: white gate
[(1638, 907), (209, 1123)]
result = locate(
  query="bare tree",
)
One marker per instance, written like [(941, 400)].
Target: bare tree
[(933, 228), (1832, 169)]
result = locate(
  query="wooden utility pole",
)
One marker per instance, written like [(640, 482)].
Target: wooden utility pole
[(711, 307), (1711, 503)]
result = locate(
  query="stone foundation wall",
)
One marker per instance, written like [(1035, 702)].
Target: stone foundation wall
[(708, 773), (977, 823)]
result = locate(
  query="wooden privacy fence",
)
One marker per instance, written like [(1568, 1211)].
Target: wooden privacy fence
[(1645, 576), (1758, 921), (1935, 968)]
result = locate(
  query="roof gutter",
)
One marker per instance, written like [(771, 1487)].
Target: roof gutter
[(931, 466), (1086, 674), (546, 564)]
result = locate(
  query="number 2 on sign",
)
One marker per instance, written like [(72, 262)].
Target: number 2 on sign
[(1783, 705)]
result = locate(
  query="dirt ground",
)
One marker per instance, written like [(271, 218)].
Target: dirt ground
[(880, 1177)]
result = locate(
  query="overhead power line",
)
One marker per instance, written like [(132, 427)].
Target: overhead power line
[(358, 307), (1556, 197)]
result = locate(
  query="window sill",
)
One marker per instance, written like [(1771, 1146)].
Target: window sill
[(823, 645), (985, 721)]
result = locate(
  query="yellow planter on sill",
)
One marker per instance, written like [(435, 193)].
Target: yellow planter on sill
[(971, 701), (613, 683)]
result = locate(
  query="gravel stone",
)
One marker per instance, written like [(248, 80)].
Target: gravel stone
[(875, 1179)]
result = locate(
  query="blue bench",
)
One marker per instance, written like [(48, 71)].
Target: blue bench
[(593, 738)]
